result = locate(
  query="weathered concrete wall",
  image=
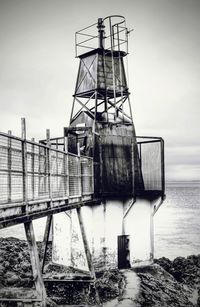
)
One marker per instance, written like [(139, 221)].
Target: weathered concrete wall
[(137, 224), (107, 226), (61, 250), (103, 224), (77, 248)]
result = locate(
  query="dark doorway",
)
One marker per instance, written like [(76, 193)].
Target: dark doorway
[(123, 252)]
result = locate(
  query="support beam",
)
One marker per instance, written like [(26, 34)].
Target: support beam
[(46, 239), (125, 213), (87, 251), (156, 207), (86, 244), (37, 274), (152, 234), (130, 205)]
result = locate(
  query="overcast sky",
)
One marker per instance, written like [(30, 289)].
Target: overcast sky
[(38, 69)]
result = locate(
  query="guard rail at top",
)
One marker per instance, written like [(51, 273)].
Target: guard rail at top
[(31, 171), (151, 164), (115, 35)]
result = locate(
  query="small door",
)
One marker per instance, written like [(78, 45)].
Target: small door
[(123, 252)]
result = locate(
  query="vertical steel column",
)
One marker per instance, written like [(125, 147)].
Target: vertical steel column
[(151, 233), (101, 27), (140, 155), (101, 190), (133, 166)]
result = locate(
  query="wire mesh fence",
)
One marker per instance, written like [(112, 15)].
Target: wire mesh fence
[(151, 159), (30, 171)]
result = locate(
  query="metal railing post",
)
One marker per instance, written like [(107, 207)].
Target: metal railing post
[(24, 164), (9, 165), (66, 166), (162, 166), (57, 181), (33, 168), (133, 167), (79, 169), (49, 163)]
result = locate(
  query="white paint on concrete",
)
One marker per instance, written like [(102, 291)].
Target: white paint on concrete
[(61, 251), (98, 230), (107, 226), (137, 226), (103, 224), (77, 248)]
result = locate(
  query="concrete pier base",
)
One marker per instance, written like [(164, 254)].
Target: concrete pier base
[(103, 223)]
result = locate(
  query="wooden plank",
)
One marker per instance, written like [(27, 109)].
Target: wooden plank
[(34, 257)]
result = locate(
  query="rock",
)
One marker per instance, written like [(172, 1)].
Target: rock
[(165, 263), (166, 283), (11, 278), (184, 270), (2, 269), (159, 288), (195, 259)]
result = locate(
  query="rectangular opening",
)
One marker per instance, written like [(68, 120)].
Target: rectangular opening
[(123, 252)]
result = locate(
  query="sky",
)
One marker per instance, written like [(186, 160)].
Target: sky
[(38, 69)]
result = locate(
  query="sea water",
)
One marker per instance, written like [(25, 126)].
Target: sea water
[(176, 223)]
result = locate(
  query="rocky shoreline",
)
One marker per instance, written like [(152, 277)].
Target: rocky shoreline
[(165, 283)]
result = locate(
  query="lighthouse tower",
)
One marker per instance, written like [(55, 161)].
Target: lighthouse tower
[(128, 170)]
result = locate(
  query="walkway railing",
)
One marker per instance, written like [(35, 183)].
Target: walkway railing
[(32, 171), (36, 179)]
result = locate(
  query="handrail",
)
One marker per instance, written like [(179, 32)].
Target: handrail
[(36, 169)]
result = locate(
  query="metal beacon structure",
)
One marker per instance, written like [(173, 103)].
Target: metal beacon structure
[(128, 171), (99, 185)]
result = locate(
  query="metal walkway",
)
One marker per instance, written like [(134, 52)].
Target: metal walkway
[(37, 180)]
